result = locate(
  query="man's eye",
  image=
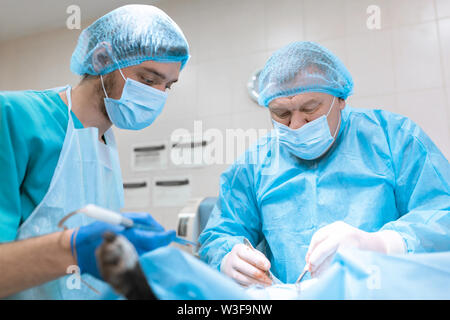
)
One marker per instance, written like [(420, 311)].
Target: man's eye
[(283, 115), (147, 81)]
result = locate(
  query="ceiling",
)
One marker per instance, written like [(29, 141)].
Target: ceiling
[(26, 17)]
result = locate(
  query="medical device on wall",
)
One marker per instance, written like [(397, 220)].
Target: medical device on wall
[(136, 194), (188, 222), (188, 151), (171, 191), (252, 85), (193, 218), (150, 156)]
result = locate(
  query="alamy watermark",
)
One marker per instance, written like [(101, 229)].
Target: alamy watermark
[(214, 146), (73, 281), (373, 21), (373, 281), (73, 21)]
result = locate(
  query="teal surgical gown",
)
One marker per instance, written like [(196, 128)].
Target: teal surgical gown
[(32, 129), (382, 173)]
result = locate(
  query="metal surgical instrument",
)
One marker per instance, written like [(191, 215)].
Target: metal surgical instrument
[(116, 218)]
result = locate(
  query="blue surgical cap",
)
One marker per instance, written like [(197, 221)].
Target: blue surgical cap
[(303, 67), (128, 36)]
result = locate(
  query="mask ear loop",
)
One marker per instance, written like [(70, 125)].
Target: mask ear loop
[(331, 107), (101, 77), (338, 126), (122, 74), (340, 117), (72, 244), (103, 85)]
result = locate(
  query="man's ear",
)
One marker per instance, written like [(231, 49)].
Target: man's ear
[(101, 57)]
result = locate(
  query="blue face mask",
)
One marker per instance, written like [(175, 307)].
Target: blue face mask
[(138, 106), (311, 140)]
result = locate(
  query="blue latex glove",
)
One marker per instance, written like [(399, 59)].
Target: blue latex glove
[(88, 238)]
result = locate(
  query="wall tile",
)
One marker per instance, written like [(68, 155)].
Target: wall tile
[(182, 98), (429, 110), (186, 14), (370, 63), (324, 19), (444, 37), (442, 8), (257, 119), (384, 102), (284, 22), (215, 85), (231, 28), (219, 126), (39, 62), (161, 129), (416, 57), (207, 181), (243, 68), (405, 12), (357, 16)]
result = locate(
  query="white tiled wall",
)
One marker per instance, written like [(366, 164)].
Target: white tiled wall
[(404, 67)]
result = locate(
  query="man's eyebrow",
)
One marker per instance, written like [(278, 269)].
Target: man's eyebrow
[(278, 109), (159, 74), (312, 102), (309, 103), (156, 73)]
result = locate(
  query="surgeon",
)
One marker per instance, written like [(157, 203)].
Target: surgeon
[(58, 154), (328, 176)]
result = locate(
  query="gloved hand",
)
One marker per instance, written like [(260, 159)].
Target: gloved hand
[(246, 265), (327, 240), (86, 239)]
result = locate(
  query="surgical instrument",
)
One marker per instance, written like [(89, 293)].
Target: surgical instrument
[(268, 272), (300, 277), (116, 218)]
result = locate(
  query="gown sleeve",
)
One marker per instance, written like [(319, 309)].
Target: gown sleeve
[(234, 217), (422, 192)]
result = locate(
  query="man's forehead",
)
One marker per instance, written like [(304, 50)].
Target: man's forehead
[(166, 71), (298, 100)]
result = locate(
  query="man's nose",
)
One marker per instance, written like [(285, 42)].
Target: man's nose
[(160, 87), (297, 120)]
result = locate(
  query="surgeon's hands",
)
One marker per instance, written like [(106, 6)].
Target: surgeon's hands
[(246, 265), (327, 240), (86, 239)]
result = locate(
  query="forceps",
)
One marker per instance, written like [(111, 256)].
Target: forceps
[(268, 273)]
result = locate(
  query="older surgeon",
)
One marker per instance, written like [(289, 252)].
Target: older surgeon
[(338, 177), (58, 153)]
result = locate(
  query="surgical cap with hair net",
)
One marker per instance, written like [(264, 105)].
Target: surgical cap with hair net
[(128, 36), (303, 67)]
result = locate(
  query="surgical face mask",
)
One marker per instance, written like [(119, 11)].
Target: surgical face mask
[(138, 106), (311, 140)]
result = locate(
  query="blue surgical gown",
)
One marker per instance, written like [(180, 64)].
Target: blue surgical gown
[(32, 129), (382, 173)]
